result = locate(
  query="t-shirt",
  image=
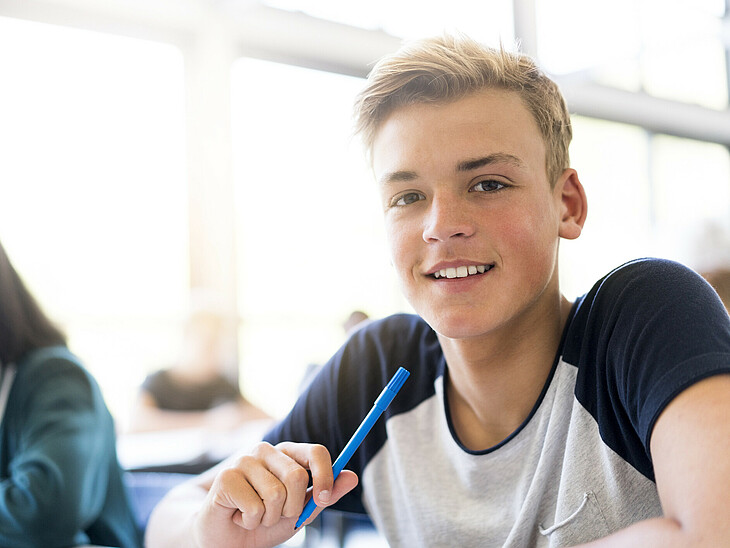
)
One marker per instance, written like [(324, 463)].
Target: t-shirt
[(171, 394), (577, 469)]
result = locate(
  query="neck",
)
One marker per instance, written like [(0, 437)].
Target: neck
[(495, 380)]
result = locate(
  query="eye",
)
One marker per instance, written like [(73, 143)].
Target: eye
[(407, 198), (488, 185)]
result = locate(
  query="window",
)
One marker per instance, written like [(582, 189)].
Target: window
[(648, 195), (669, 50), (93, 208), (691, 200), (310, 236), (611, 161)]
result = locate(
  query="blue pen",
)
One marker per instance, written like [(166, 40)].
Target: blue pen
[(380, 405)]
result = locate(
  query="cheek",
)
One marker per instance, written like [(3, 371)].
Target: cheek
[(531, 240), (397, 240)]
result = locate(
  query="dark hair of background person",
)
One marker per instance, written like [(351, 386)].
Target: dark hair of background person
[(23, 325)]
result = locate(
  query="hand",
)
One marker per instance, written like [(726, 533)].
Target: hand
[(256, 501)]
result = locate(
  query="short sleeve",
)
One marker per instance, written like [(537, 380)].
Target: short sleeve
[(644, 333)]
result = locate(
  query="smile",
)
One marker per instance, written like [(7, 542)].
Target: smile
[(462, 271)]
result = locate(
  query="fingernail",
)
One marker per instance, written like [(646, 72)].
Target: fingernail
[(324, 496)]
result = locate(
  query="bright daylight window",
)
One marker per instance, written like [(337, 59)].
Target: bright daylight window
[(648, 195), (670, 50), (92, 192), (310, 237)]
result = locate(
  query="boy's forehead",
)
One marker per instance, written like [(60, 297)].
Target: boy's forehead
[(491, 118)]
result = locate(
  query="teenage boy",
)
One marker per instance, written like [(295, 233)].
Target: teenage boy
[(527, 420)]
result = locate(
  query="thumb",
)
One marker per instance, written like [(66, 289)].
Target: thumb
[(345, 482)]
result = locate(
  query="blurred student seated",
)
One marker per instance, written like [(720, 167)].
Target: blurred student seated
[(194, 392), (719, 279), (355, 321), (60, 481)]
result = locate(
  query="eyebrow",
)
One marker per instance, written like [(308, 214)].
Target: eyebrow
[(496, 158), (397, 177), (467, 165)]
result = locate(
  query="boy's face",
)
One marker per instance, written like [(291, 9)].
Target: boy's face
[(471, 219)]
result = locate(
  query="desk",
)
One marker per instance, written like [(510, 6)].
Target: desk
[(155, 462), (186, 450)]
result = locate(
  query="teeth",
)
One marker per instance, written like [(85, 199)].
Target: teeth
[(461, 271)]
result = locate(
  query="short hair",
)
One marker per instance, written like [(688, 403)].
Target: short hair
[(451, 67)]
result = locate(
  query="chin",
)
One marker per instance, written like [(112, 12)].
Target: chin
[(456, 326)]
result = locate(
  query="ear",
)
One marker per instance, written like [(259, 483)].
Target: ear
[(573, 204)]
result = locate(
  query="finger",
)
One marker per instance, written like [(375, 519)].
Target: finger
[(294, 479), (316, 458), (232, 491), (345, 482), (255, 485)]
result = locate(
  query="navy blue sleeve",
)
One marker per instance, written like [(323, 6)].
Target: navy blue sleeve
[(344, 390), (644, 333)]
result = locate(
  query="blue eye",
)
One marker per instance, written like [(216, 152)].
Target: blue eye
[(408, 198), (488, 185)]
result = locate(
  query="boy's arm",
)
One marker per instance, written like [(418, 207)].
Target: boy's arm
[(690, 445), (247, 501)]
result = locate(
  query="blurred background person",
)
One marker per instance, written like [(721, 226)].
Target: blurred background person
[(195, 391), (355, 321), (60, 481), (711, 257), (719, 278)]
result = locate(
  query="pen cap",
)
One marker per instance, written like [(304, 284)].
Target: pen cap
[(389, 392)]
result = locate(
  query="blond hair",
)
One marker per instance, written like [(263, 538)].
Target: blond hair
[(448, 68)]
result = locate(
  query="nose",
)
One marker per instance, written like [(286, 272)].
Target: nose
[(446, 219)]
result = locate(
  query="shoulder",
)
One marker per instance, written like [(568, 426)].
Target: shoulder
[(52, 363), (52, 382), (399, 335), (654, 281), (395, 323), (643, 292), (54, 374), (401, 340), (357, 374), (345, 388), (648, 277)]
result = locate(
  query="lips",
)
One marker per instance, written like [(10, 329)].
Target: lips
[(462, 271)]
